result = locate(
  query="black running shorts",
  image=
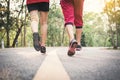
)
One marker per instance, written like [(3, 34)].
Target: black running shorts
[(42, 6)]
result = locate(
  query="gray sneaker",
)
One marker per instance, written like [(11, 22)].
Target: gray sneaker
[(36, 39), (43, 49)]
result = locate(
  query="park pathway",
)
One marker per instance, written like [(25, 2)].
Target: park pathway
[(89, 64)]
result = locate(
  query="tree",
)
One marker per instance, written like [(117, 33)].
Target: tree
[(2, 22), (94, 29), (13, 19), (112, 10), (22, 20)]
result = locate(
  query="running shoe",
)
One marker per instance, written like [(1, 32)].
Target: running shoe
[(72, 47), (36, 39), (43, 49), (78, 48)]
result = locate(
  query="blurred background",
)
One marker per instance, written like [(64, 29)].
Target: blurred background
[(101, 24)]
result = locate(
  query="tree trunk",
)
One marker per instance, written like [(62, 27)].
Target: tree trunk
[(17, 35), (8, 38), (25, 30), (117, 34), (19, 28), (116, 42), (7, 26)]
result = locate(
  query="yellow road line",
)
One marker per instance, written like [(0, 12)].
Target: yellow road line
[(51, 69)]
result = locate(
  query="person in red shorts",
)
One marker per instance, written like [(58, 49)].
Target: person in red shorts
[(73, 13), (38, 10)]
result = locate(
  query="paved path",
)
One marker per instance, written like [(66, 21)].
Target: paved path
[(88, 64), (51, 69)]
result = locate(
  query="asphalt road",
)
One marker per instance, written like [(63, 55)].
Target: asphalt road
[(88, 64)]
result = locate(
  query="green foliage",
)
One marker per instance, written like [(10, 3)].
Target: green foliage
[(83, 43), (55, 26), (112, 10), (95, 29)]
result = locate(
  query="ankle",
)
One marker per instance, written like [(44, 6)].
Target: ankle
[(43, 44)]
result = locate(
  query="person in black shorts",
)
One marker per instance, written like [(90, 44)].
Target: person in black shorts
[(39, 15)]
